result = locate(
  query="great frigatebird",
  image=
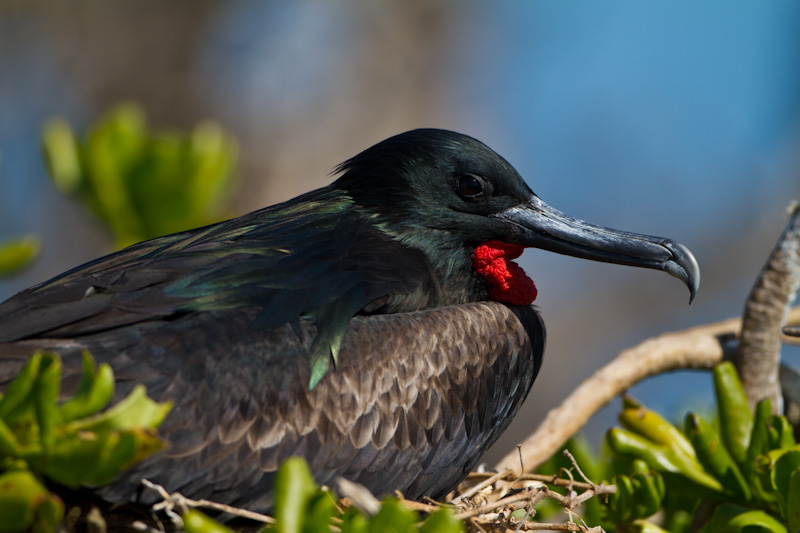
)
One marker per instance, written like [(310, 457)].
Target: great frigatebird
[(377, 327)]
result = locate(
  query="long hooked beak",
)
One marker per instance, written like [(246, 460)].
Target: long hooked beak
[(538, 225)]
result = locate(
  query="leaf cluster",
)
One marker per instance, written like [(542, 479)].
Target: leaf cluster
[(141, 183), (77, 442), (743, 475)]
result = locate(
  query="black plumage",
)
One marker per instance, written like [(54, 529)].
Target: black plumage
[(347, 325)]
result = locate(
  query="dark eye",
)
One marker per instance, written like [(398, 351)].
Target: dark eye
[(471, 187)]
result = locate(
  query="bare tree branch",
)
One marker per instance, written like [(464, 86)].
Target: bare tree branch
[(699, 347), (765, 313)]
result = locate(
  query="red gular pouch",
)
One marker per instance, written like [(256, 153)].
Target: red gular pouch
[(506, 280)]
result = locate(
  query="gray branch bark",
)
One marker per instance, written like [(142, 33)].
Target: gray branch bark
[(765, 314)]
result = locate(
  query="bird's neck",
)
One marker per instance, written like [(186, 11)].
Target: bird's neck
[(463, 274), (451, 280)]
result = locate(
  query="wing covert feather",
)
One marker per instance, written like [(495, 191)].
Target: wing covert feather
[(409, 420)]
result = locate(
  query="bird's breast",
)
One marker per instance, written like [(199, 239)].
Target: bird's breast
[(417, 396)]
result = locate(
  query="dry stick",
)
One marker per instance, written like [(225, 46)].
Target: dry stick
[(176, 499), (552, 480), (578, 468), (699, 347), (564, 526), (419, 506), (482, 485), (765, 312), (531, 496), (543, 526)]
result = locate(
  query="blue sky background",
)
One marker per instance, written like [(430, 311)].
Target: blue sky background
[(679, 119)]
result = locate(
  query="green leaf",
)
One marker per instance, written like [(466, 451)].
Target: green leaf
[(783, 434), (62, 154), (196, 522), (393, 518), (735, 417), (294, 486), (45, 393), (20, 388), (729, 518), (757, 479), (620, 504), (49, 515), (18, 253), (113, 148), (638, 496), (781, 474), (22, 498), (213, 158), (135, 411), (354, 522), (642, 526), (653, 427), (793, 502), (715, 457), (648, 493), (658, 457), (677, 519), (9, 445), (319, 511), (94, 391), (442, 521), (94, 458)]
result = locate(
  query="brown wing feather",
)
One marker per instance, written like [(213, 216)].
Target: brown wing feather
[(414, 402)]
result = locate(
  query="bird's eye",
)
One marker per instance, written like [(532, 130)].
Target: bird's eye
[(471, 187)]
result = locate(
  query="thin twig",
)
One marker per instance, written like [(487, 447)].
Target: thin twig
[(176, 499), (533, 494), (553, 480), (419, 506), (482, 485), (544, 526), (474, 522), (578, 468)]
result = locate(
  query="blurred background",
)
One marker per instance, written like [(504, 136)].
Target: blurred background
[(678, 119)]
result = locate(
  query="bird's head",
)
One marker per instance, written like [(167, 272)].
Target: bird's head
[(455, 198)]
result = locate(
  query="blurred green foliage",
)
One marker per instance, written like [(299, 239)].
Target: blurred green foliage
[(25, 503), (75, 443), (16, 254), (141, 183)]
